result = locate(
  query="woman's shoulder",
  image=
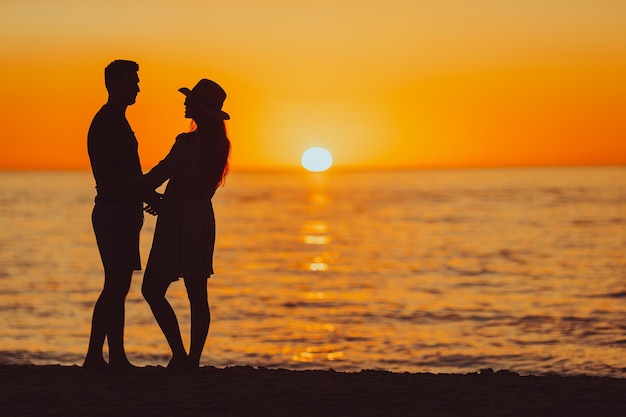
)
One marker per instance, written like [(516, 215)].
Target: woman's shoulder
[(184, 136), (184, 140)]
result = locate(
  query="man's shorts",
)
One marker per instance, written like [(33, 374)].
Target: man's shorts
[(117, 227)]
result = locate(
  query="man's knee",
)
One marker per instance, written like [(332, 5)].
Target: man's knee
[(117, 282)]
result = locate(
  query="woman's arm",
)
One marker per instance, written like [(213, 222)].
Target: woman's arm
[(167, 167), (144, 185)]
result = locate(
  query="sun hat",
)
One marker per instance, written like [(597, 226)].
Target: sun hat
[(209, 96)]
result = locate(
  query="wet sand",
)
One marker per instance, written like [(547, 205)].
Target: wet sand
[(34, 390)]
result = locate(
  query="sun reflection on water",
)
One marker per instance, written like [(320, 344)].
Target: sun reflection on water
[(319, 295), (315, 227), (325, 349), (318, 264), (316, 240), (316, 233), (314, 353)]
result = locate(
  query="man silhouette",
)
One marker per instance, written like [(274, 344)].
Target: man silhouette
[(117, 216)]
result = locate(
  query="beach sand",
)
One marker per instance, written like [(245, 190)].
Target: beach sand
[(54, 390)]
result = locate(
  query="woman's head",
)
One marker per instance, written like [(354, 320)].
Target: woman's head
[(206, 99), (202, 120), (203, 105)]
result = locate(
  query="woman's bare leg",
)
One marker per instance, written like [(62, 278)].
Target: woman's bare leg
[(200, 317), (154, 291)]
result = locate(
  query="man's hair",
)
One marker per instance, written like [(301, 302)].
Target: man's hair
[(118, 71)]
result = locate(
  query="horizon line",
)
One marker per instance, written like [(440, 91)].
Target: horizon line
[(292, 169)]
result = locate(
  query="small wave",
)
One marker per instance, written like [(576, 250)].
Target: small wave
[(315, 304), (467, 361), (620, 294), (620, 342), (25, 357), (536, 342)]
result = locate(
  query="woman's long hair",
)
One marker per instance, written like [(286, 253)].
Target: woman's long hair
[(215, 129)]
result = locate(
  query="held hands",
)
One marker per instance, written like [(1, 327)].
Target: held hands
[(154, 203)]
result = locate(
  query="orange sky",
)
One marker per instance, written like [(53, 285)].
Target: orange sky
[(398, 83)]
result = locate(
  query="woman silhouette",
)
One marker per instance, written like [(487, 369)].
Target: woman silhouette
[(184, 237)]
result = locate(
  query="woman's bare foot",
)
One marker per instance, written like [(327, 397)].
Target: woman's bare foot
[(95, 364), (123, 365), (180, 364)]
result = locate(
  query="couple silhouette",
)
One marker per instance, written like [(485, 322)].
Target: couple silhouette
[(184, 236)]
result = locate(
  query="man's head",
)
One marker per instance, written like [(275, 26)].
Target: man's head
[(122, 81)]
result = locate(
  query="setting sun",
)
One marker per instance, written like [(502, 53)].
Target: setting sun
[(316, 159)]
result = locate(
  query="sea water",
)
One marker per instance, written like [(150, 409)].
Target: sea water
[(418, 271)]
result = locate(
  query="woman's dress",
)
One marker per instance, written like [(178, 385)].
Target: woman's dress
[(184, 237)]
